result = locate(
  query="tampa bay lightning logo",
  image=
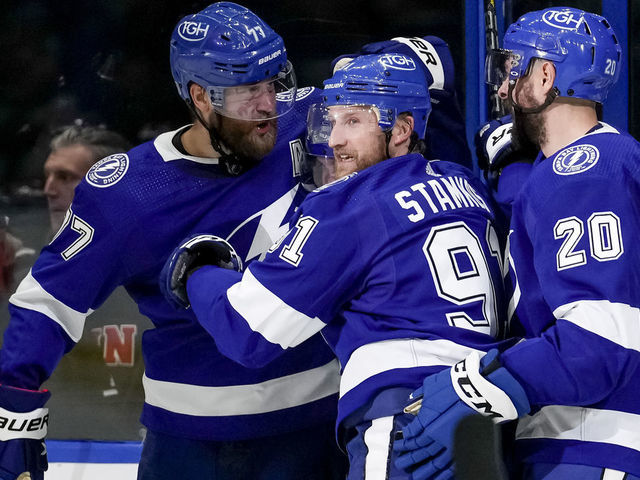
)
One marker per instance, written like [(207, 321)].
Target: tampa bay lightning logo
[(108, 171), (287, 95), (576, 159)]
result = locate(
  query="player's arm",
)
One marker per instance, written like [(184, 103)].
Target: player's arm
[(48, 311), (282, 301), (582, 233)]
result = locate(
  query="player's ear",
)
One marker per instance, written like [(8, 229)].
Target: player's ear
[(402, 129), (200, 98), (547, 75)]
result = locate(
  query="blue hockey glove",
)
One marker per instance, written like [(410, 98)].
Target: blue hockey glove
[(23, 426), (431, 52), (472, 386), (193, 253)]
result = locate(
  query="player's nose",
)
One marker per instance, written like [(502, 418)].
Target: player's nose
[(336, 138), (503, 90)]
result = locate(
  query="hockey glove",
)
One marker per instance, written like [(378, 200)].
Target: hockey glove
[(193, 253), (23, 426), (431, 53), (471, 386), (493, 145)]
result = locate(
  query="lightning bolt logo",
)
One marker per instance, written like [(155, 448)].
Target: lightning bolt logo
[(108, 171)]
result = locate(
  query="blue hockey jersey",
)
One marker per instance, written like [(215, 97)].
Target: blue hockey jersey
[(127, 217), (398, 265), (576, 273)]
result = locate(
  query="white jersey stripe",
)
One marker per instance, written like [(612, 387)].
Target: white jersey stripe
[(377, 438), (32, 296), (276, 394), (617, 322), (561, 422), (609, 474), (268, 315), (375, 358)]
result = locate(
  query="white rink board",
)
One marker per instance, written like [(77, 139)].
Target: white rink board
[(91, 471)]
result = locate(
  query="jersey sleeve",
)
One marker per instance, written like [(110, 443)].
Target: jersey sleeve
[(293, 293), (72, 276), (580, 232)]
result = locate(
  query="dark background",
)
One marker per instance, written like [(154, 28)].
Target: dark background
[(106, 61)]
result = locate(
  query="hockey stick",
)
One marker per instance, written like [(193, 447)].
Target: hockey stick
[(496, 108)]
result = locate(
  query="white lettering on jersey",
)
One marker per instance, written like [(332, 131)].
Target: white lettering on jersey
[(297, 156), (575, 159), (605, 239), (449, 192)]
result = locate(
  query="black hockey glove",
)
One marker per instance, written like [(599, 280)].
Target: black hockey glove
[(193, 253)]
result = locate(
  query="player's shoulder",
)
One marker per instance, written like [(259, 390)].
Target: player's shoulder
[(305, 97), (605, 153), (292, 125), (308, 95), (603, 160), (448, 169), (118, 180)]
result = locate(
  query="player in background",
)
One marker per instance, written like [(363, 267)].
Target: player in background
[(573, 269), (73, 150), (396, 262), (207, 417)]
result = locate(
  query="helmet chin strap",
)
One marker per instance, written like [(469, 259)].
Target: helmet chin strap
[(387, 141), (228, 159), (551, 96)]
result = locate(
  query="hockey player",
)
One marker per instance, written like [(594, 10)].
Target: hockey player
[(573, 267), (207, 417), (445, 137), (396, 262)]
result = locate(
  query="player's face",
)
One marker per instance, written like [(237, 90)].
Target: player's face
[(529, 128), (250, 102), (63, 171), (356, 139)]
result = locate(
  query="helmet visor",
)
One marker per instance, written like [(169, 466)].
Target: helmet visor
[(264, 100), (328, 126), (501, 65), (326, 123)]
